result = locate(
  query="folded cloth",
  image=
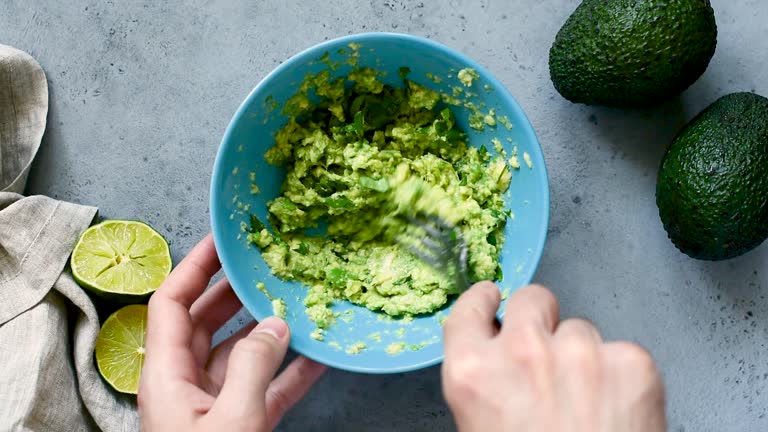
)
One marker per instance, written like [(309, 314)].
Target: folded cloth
[(48, 324)]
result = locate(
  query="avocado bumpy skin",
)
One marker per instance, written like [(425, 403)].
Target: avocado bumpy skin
[(632, 53), (712, 188)]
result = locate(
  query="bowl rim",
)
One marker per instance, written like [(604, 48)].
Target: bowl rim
[(527, 128)]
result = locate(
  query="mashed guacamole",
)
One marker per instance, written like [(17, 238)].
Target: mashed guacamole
[(361, 156)]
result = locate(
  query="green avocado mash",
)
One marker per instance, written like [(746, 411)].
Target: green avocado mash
[(467, 76), (395, 348), (361, 156)]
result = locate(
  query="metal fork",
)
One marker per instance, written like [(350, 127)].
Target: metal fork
[(442, 248)]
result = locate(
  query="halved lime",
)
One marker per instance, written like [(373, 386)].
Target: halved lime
[(121, 260), (120, 348)]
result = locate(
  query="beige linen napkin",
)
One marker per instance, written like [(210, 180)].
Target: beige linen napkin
[(48, 325)]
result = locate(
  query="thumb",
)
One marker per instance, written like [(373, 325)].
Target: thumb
[(252, 364)]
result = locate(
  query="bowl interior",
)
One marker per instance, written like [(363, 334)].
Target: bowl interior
[(241, 159)]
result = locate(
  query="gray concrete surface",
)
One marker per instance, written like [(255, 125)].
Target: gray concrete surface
[(141, 93)]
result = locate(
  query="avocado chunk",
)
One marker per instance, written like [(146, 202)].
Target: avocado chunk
[(712, 188), (632, 53)]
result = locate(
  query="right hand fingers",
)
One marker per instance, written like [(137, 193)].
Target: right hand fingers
[(473, 318), (532, 306), (576, 345), (631, 365), (635, 380), (579, 329), (252, 364)]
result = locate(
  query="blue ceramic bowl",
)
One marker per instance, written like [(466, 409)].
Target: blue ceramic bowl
[(241, 157)]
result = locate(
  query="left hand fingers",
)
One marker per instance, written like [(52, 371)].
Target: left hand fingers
[(283, 392), (290, 386), (169, 326), (215, 307), (212, 310), (217, 362), (190, 278), (252, 364)]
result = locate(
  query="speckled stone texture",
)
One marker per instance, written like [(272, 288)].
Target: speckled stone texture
[(141, 93)]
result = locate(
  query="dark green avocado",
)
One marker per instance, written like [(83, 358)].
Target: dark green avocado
[(632, 53), (712, 188)]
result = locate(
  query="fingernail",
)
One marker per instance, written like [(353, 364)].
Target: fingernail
[(486, 285), (273, 326)]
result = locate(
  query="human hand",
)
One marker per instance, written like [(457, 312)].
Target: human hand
[(538, 374), (186, 386)]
